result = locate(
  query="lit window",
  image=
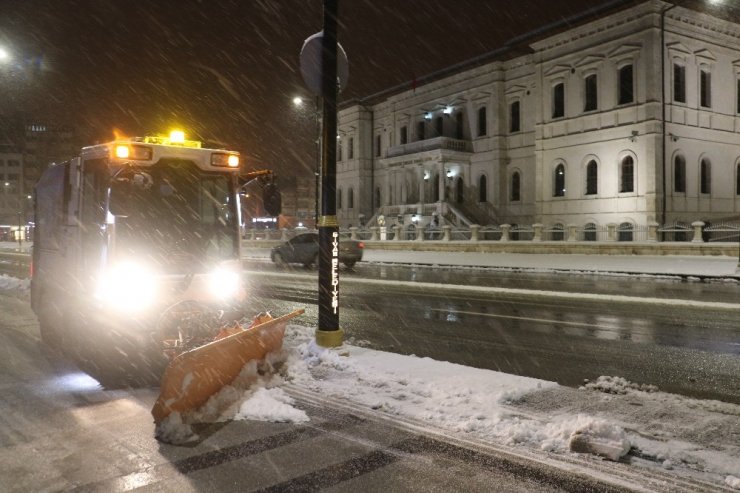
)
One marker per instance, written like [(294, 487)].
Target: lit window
[(559, 181)]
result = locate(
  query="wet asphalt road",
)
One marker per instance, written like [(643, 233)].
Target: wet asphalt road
[(517, 323)]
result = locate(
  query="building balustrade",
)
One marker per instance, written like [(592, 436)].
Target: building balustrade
[(697, 232), (445, 143)]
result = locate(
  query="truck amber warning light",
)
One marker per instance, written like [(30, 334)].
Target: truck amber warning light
[(134, 152), (225, 160)]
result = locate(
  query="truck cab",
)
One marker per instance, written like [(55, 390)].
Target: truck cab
[(132, 237)]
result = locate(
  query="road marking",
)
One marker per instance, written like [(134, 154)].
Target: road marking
[(528, 319), (607, 298)]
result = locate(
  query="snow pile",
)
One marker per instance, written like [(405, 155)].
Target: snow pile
[(173, 430), (445, 396), (599, 437), (254, 394), (733, 482), (271, 405), (441, 395), (14, 285), (617, 385)]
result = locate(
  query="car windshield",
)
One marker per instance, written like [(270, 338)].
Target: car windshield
[(175, 214)]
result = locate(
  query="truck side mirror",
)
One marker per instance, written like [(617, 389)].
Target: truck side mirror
[(271, 199)]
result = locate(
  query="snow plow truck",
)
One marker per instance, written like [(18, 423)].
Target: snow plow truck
[(136, 262)]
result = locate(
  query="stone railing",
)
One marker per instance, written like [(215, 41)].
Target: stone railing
[(698, 232)]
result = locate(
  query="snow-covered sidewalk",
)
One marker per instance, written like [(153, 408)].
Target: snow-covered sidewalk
[(643, 428)]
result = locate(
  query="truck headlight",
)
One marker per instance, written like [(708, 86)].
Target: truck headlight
[(224, 283), (127, 286)]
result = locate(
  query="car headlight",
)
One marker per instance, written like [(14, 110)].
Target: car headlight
[(224, 283), (127, 286)]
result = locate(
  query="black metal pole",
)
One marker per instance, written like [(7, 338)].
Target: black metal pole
[(317, 172), (328, 333)]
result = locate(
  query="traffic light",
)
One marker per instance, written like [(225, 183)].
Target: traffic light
[(271, 199)]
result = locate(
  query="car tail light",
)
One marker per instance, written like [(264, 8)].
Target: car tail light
[(361, 245)]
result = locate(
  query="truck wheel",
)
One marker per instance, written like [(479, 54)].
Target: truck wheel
[(114, 360), (50, 320), (349, 263)]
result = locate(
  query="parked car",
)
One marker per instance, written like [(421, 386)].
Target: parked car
[(304, 249)]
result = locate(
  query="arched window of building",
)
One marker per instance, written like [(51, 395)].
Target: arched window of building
[(624, 232), (559, 180), (436, 187), (339, 198), (592, 178), (589, 232), (679, 174), (351, 198), (515, 187), (482, 189), (389, 199), (557, 232), (627, 175), (378, 203), (459, 189), (706, 176)]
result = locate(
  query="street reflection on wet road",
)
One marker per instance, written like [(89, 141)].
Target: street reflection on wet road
[(684, 342)]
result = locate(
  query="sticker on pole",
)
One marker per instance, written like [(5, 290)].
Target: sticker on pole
[(311, 64)]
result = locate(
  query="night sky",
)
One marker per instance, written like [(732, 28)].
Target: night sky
[(227, 70)]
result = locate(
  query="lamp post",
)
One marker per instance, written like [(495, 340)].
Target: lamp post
[(298, 102)]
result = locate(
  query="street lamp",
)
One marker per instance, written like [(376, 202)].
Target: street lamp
[(298, 103)]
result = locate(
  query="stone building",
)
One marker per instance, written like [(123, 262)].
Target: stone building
[(630, 118)]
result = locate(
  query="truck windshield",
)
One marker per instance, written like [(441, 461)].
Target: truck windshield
[(175, 215)]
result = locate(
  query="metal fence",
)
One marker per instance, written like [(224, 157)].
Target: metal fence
[(696, 232)]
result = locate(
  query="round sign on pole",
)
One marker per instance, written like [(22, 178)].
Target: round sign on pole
[(311, 63)]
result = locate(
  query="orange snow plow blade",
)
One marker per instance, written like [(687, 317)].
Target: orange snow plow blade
[(194, 376)]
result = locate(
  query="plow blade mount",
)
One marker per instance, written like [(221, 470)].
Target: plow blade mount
[(194, 376)]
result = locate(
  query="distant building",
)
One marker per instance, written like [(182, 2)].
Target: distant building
[(630, 118), (27, 147)]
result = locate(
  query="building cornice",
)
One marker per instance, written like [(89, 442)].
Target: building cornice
[(700, 23), (615, 20)]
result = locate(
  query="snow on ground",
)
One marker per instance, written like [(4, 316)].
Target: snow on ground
[(668, 432), (13, 285)]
